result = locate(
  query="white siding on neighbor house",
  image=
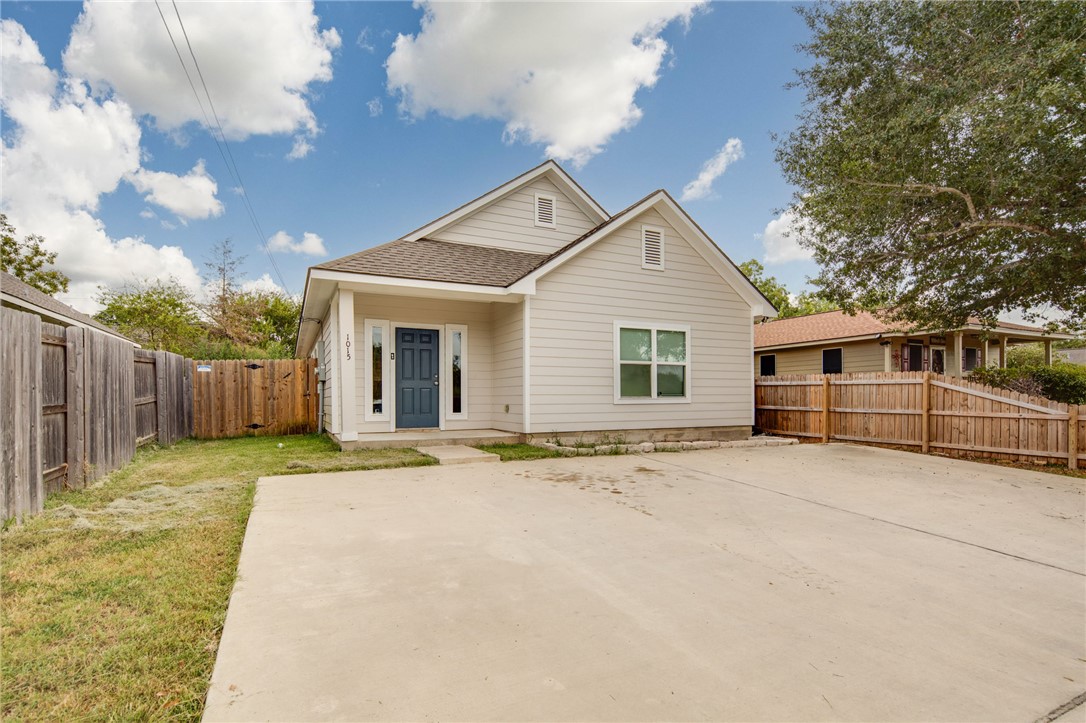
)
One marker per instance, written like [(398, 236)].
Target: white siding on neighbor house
[(861, 356), (508, 370), (405, 311), (510, 222), (572, 336)]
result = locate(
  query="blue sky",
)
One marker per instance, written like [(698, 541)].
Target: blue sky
[(389, 148)]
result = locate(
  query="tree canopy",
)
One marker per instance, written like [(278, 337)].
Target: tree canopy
[(29, 261), (787, 304), (940, 158)]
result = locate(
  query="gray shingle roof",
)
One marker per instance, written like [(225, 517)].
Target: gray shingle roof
[(20, 290), (430, 260)]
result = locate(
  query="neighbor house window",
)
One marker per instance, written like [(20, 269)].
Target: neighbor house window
[(378, 365), (456, 370), (768, 365), (652, 362), (971, 359), (831, 361)]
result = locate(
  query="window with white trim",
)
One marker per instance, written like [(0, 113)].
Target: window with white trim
[(970, 359), (652, 362), (546, 211), (378, 374), (456, 356), (652, 248)]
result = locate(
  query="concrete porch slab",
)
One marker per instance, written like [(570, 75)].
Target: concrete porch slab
[(458, 454), (429, 438)]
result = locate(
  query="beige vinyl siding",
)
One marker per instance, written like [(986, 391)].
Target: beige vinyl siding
[(572, 339), (405, 310), (510, 222), (857, 356), (507, 383), (326, 363)]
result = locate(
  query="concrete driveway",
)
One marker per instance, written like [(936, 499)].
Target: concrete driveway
[(796, 583)]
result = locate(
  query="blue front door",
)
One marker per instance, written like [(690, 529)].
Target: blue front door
[(417, 368)]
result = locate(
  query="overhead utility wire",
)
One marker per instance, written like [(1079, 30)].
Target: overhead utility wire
[(227, 154)]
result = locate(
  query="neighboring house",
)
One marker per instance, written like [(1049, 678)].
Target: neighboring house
[(17, 294), (833, 342), (534, 311), (1074, 356)]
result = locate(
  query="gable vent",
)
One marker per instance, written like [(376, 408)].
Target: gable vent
[(652, 248), (545, 211)]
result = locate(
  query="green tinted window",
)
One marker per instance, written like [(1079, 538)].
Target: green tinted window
[(670, 380), (636, 380), (670, 346), (635, 345)]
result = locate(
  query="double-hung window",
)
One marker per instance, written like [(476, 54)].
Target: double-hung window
[(652, 362)]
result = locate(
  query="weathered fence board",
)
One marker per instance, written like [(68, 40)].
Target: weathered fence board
[(262, 397), (921, 409), (21, 483)]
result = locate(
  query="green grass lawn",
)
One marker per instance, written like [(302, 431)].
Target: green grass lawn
[(512, 452), (114, 598)]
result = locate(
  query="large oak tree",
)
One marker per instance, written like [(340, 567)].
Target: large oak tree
[(940, 158)]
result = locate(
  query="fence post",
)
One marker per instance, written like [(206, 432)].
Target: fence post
[(825, 409), (925, 414), (1072, 437)]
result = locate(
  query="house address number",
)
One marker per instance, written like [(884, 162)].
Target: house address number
[(347, 346)]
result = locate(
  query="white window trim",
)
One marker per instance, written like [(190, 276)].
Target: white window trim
[(842, 359), (554, 210), (450, 329), (396, 326), (653, 327), (386, 370), (965, 355), (764, 356), (663, 245)]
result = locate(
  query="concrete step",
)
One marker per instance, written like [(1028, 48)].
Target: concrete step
[(458, 454)]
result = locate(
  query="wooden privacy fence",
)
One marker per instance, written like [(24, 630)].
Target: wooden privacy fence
[(924, 410), (261, 397), (74, 403)]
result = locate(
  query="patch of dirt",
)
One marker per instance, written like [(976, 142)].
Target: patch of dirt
[(149, 510)]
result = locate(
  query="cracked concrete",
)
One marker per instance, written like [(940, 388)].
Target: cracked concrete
[(798, 583)]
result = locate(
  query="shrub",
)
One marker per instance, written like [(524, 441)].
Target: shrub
[(1060, 382)]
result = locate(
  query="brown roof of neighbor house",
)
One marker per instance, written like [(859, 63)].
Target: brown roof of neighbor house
[(831, 325), (430, 260), (20, 290)]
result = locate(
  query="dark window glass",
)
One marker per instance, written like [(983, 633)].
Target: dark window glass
[(769, 365), (831, 361)]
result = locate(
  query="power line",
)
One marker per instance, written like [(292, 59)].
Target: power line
[(227, 154)]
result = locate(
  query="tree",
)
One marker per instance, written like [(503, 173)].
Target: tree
[(159, 315), (939, 158), (28, 260), (787, 305), (229, 313)]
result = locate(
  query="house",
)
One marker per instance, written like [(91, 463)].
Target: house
[(531, 310), (17, 294), (833, 342)]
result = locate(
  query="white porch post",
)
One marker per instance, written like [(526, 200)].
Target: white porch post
[(348, 351), (954, 365), (333, 365), (526, 338), (1048, 352), (1002, 352), (887, 355), (984, 353)]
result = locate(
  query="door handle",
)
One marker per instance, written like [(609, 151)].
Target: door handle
[(436, 382)]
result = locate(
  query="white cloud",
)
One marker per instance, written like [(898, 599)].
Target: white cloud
[(62, 151), (300, 149), (713, 169), (563, 74), (263, 284), (781, 239), (148, 214), (258, 59), (364, 41), (310, 245), (376, 107), (191, 196)]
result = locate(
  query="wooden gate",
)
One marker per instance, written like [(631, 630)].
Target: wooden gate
[(262, 397)]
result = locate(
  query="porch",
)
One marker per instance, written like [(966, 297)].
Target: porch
[(957, 353), (429, 438)]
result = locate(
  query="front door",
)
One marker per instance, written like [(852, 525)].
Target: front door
[(938, 359), (417, 368)]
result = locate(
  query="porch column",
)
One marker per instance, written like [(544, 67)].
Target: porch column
[(984, 353), (1048, 352), (1002, 352), (954, 363), (887, 355), (348, 350)]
